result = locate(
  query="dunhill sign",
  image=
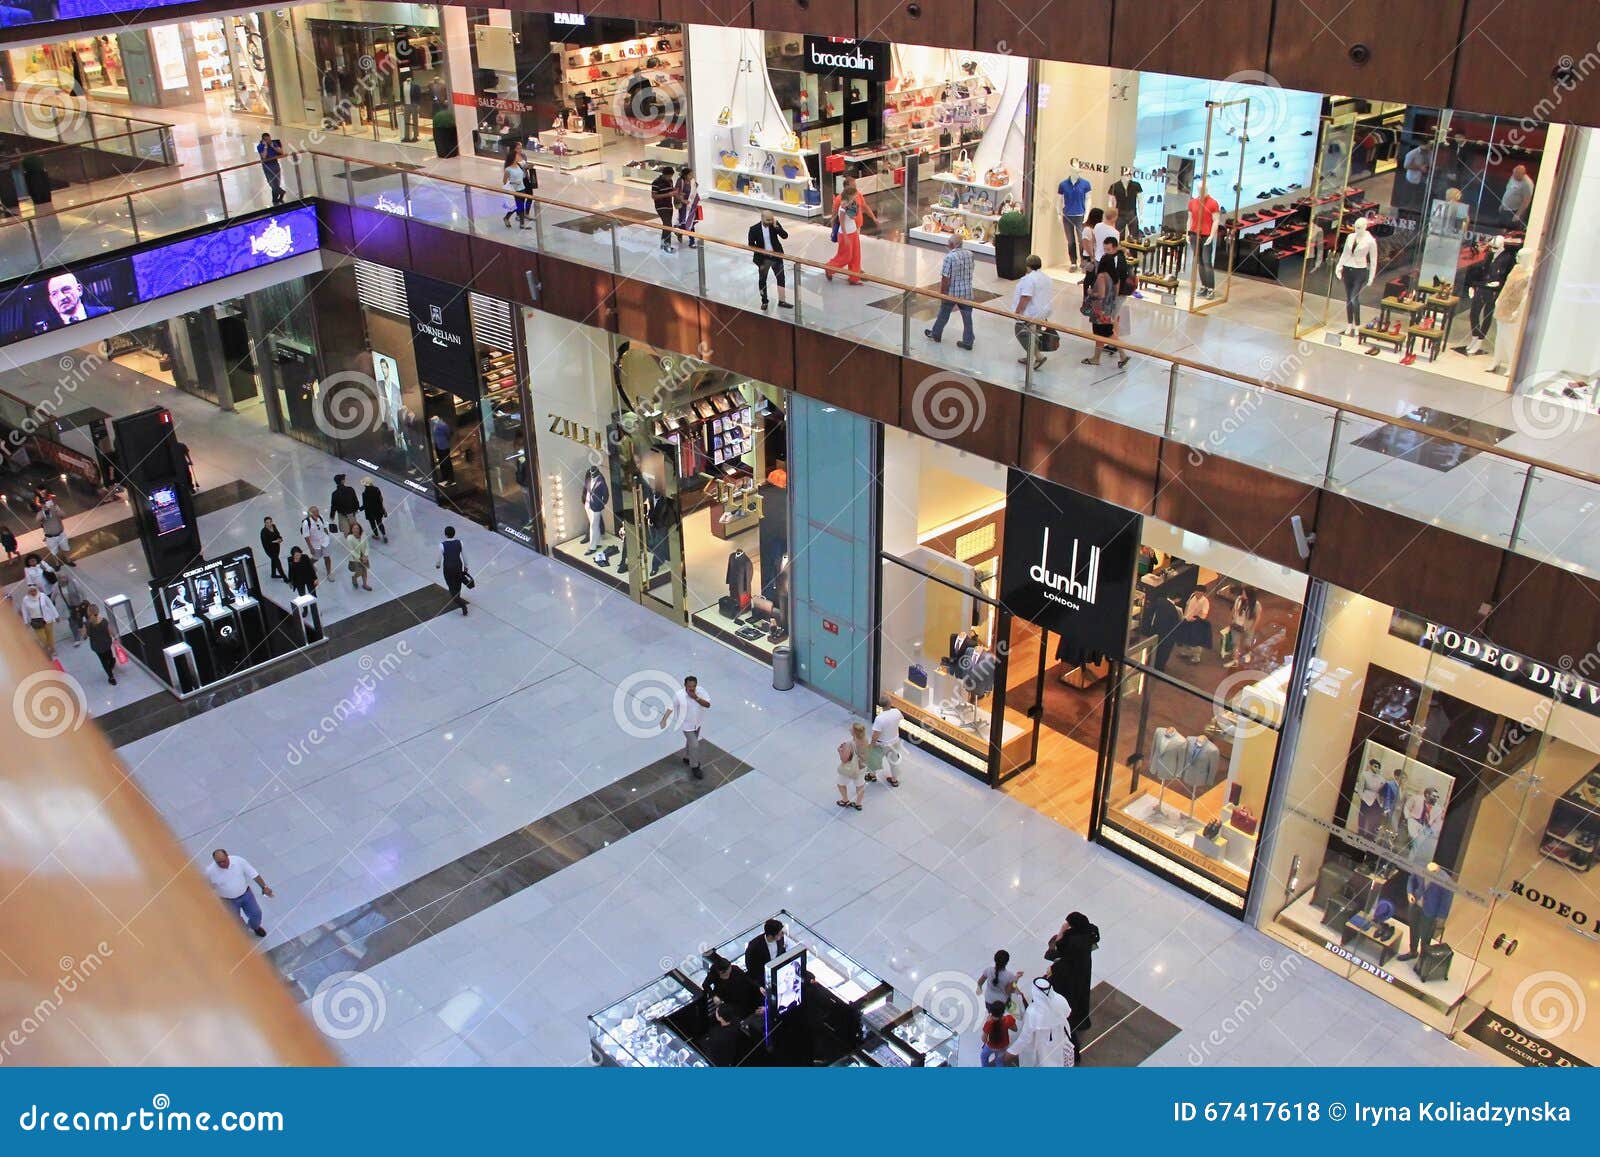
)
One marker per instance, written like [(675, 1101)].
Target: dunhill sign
[(1067, 564), (1577, 685)]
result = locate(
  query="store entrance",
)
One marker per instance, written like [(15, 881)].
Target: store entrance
[(1064, 707)]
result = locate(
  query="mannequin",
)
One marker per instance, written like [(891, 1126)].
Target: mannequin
[(1125, 196), (1484, 281), (1074, 191), (596, 497), (1509, 308), (1357, 268), (1205, 221), (1428, 899)]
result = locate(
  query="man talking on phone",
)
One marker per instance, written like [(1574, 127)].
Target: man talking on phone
[(270, 151)]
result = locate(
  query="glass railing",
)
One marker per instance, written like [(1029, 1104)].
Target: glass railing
[(78, 231), (1433, 473)]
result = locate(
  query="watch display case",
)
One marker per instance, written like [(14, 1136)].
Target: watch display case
[(633, 1033)]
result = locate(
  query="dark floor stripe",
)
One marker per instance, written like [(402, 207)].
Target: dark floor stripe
[(125, 530), (160, 711), (413, 912), (1122, 1033)]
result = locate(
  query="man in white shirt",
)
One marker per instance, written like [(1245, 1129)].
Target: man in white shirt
[(1106, 228), (229, 877), (1518, 196), (886, 734), (1031, 299), (690, 708)]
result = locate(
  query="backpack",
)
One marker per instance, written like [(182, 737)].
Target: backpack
[(1127, 279), (847, 751)]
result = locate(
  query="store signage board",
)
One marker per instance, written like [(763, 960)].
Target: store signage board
[(441, 335), (1510, 1039), (1578, 688), (1068, 564), (851, 59)]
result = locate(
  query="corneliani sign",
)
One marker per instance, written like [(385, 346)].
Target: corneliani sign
[(866, 59), (1067, 564), (1575, 684)]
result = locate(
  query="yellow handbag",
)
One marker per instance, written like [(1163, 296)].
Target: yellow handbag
[(725, 117), (723, 180), (791, 194)]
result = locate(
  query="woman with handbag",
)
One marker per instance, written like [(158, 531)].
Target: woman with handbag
[(852, 766), (360, 561), (514, 180), (687, 195), (1245, 617), (1111, 275), (103, 642), (38, 610), (850, 209)]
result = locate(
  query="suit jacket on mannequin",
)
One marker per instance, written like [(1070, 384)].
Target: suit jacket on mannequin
[(1197, 762), (1166, 751)]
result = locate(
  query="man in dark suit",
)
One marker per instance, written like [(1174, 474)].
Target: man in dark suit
[(771, 944), (65, 292), (766, 236)]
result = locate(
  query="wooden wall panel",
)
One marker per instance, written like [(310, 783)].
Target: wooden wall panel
[(333, 226), (539, 5), (622, 9), (727, 13), (380, 237), (1117, 463), (853, 377), (1407, 564), (942, 23), (825, 17), (1410, 60), (664, 318), (1511, 54), (443, 253), (1215, 38), (1234, 503), (1073, 30), (1546, 612), (961, 411), (748, 343), (577, 292), (492, 267)]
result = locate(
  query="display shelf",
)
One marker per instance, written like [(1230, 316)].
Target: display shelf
[(640, 61), (952, 179), (764, 176), (777, 205)]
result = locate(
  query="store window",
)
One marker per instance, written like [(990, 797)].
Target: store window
[(1439, 816), (377, 79)]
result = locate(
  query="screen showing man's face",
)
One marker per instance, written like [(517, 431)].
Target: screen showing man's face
[(66, 296)]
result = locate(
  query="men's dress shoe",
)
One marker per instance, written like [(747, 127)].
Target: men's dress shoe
[(784, 305), (1408, 956)]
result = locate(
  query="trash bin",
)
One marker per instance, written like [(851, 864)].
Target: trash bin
[(783, 667)]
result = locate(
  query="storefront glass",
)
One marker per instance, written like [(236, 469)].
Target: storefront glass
[(289, 357), (375, 69), (1439, 814)]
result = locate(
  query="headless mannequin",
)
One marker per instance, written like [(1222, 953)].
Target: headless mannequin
[(1357, 268), (1072, 222), (1491, 276), (1205, 246), (1509, 308)]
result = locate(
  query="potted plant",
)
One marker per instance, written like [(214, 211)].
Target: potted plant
[(445, 142), (1013, 240)]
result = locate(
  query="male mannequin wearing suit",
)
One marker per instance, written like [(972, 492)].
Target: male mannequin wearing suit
[(1429, 902), (766, 237), (771, 944)]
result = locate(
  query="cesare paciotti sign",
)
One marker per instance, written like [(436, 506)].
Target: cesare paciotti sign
[(1068, 564), (836, 56)]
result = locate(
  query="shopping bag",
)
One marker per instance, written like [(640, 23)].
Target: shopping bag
[(120, 653)]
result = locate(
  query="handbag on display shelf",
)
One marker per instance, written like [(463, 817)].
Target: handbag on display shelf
[(1245, 820), (756, 131), (835, 163), (722, 181), (791, 194), (917, 675), (596, 56), (791, 143), (725, 117), (998, 177), (791, 170), (729, 159), (812, 195), (963, 169)]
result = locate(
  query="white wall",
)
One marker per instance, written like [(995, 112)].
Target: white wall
[(716, 81), (1088, 117), (1566, 275), (569, 378)]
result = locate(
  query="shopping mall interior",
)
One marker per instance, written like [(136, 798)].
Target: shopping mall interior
[(1227, 622)]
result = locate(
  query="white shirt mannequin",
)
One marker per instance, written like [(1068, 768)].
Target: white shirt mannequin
[(1360, 250)]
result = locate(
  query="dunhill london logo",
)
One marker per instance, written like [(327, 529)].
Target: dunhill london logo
[(1068, 588)]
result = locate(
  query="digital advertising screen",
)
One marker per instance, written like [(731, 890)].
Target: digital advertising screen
[(166, 509), (66, 298), (236, 249), (177, 600), (236, 581), (786, 982)]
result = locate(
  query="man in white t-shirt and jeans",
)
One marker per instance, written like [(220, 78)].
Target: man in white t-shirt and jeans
[(1031, 299), (886, 734), (230, 877), (690, 708)]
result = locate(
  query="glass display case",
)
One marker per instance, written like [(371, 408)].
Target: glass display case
[(932, 1041), (633, 1033)]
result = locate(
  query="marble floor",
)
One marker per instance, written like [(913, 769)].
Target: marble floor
[(350, 780)]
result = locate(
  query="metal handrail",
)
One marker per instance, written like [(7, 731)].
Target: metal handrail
[(1335, 410)]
